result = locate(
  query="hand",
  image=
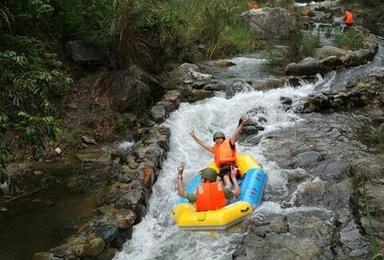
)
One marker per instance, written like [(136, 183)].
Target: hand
[(243, 119), (192, 133), (180, 168)]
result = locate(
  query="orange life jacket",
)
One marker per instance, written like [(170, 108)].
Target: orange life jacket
[(210, 196), (224, 153), (348, 17)]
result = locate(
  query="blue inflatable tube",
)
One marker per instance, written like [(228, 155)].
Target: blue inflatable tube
[(251, 187)]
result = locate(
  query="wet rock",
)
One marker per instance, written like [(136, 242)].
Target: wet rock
[(250, 128), (92, 247), (215, 87), (82, 53), (306, 159), (267, 84), (197, 95), (331, 170), (107, 232), (310, 193), (238, 87), (269, 23), (354, 243), (158, 112), (223, 63), (107, 254), (299, 235), (307, 66)]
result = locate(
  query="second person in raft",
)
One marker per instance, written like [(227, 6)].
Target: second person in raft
[(211, 194), (224, 149)]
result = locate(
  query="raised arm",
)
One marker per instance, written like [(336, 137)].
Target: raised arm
[(201, 142), (236, 133), (180, 184)]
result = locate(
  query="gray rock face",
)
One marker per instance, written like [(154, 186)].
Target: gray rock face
[(299, 235), (129, 90), (269, 23), (331, 170), (326, 51), (85, 53), (187, 75), (332, 58), (356, 94), (306, 159), (308, 66)]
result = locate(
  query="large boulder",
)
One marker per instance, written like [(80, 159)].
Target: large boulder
[(270, 23), (326, 51), (133, 90), (307, 66), (187, 75)]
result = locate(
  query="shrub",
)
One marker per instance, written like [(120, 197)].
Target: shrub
[(351, 39), (30, 81)]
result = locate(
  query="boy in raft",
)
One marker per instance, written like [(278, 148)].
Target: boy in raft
[(210, 195), (224, 149)]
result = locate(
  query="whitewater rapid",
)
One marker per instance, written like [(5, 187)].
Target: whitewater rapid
[(156, 237)]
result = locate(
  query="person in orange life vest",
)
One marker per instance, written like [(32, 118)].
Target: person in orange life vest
[(210, 195), (348, 18), (224, 150)]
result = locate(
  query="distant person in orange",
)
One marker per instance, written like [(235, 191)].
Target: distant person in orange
[(252, 5), (348, 18)]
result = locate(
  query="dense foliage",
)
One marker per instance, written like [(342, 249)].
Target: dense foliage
[(151, 34)]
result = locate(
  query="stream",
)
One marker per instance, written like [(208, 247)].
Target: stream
[(157, 237)]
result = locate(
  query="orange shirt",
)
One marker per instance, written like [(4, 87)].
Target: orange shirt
[(348, 17)]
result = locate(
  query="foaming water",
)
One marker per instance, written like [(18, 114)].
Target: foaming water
[(157, 237)]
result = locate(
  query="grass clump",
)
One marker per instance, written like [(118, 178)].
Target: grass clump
[(351, 39), (373, 138)]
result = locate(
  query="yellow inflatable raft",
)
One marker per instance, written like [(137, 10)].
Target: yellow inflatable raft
[(252, 185)]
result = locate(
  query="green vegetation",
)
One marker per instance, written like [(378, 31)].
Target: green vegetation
[(371, 13), (374, 247), (373, 137), (351, 39), (299, 46), (152, 33)]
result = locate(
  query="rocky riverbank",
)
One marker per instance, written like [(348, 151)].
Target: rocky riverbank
[(335, 182), (134, 171), (331, 223)]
